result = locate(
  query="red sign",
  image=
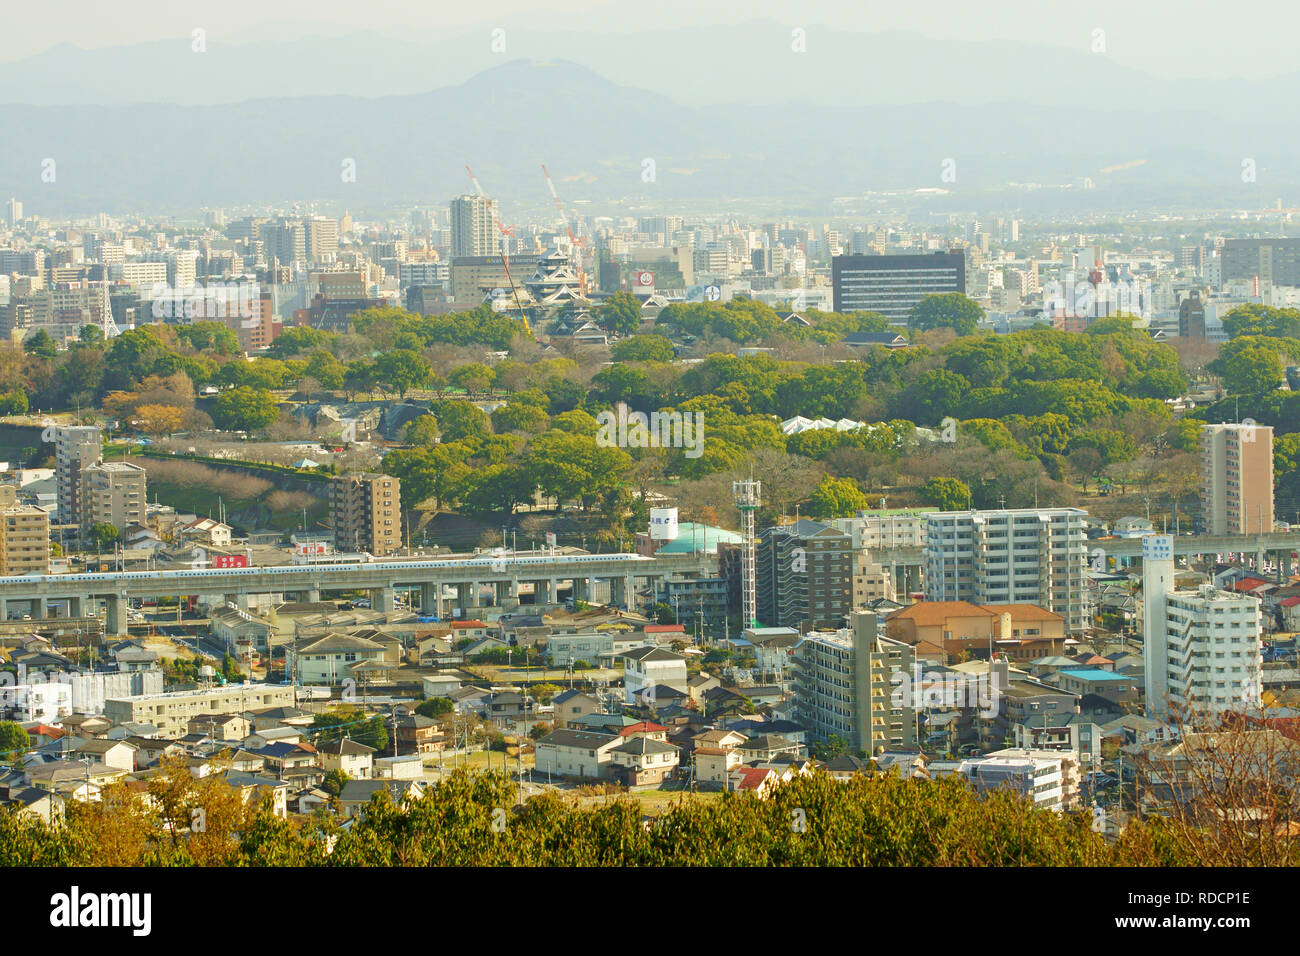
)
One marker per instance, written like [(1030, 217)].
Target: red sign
[(230, 561), (644, 280)]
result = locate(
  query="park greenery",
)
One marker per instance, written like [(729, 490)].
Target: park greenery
[(472, 820), (961, 417)]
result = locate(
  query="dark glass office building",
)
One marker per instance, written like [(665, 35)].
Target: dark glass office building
[(891, 285)]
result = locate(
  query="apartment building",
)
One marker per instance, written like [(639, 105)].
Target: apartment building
[(473, 277), (804, 576), (879, 530), (113, 493), (1045, 778), (24, 536), (367, 513), (892, 285), (1237, 478), (75, 447), (1201, 647), (172, 712), (473, 226), (847, 684), (1012, 556)]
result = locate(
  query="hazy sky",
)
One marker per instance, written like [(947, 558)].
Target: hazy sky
[(1171, 38)]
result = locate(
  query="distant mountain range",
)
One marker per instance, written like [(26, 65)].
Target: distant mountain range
[(595, 135)]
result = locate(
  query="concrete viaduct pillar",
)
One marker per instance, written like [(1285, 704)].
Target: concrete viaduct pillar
[(430, 599), (115, 623), (383, 599)]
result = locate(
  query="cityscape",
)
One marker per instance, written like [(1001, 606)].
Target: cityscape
[(860, 495)]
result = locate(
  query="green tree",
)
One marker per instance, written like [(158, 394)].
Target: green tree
[(244, 409), (620, 313), (14, 741), (422, 431), (325, 368), (517, 417), (335, 781), (946, 494), (460, 420), (435, 707), (951, 310), (837, 498), (474, 377), (103, 535), (40, 344), (543, 693), (402, 370), (643, 348), (214, 337), (1252, 370), (91, 335)]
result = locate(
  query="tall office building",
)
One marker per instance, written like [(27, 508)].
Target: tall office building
[(1014, 556), (15, 212), (892, 285), (112, 492), (1200, 647), (1237, 478), (1273, 261), (846, 685), (473, 227), (367, 513), (75, 448)]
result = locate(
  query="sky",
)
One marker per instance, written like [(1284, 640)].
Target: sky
[(1168, 38)]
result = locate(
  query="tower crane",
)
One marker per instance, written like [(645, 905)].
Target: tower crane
[(506, 233), (578, 243)]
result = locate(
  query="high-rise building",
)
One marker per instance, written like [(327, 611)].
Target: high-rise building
[(848, 684), (1273, 261), (15, 212), (112, 492), (75, 448), (473, 227), (1013, 556), (892, 285), (24, 536), (1191, 317), (322, 238), (367, 513), (804, 576), (1200, 647), (286, 240), (1237, 478)]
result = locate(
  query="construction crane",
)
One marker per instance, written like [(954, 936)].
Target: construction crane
[(506, 233), (577, 242)]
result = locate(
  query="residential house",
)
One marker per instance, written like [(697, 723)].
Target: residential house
[(645, 667), (347, 755), (356, 794), (569, 705), (575, 753)]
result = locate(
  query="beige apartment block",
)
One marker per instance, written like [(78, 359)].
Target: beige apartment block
[(1237, 478), (367, 513)]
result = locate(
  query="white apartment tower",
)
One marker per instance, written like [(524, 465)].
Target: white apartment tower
[(473, 227), (1201, 646), (75, 447), (1011, 556)]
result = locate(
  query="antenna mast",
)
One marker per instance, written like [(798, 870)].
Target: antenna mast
[(747, 496)]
